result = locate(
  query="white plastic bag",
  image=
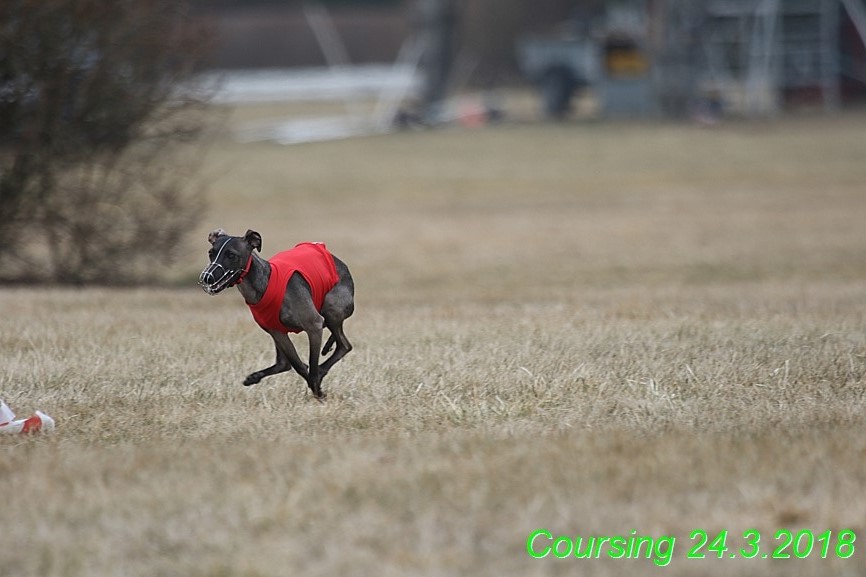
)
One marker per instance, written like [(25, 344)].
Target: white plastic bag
[(9, 425)]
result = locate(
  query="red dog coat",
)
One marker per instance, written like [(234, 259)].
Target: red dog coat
[(313, 261)]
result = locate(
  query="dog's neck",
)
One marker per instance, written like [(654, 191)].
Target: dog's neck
[(255, 283)]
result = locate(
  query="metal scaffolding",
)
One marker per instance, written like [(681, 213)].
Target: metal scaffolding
[(751, 55)]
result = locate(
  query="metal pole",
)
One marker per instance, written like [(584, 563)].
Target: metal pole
[(438, 30), (830, 54)]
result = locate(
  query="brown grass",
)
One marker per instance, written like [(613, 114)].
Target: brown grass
[(587, 328)]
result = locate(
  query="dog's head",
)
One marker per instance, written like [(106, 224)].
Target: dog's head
[(230, 259)]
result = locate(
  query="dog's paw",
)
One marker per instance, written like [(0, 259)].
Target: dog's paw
[(252, 379)]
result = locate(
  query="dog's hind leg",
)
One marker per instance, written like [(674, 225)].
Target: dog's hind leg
[(343, 346), (338, 306), (329, 344)]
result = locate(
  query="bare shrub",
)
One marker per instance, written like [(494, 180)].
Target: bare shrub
[(93, 123)]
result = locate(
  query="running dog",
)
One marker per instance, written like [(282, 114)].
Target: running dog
[(304, 289)]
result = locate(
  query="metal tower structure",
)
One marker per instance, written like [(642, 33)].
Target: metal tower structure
[(751, 55), (757, 52)]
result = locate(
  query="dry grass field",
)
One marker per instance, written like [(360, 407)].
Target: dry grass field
[(592, 329)]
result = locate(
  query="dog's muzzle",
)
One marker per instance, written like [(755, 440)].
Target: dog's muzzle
[(216, 278)]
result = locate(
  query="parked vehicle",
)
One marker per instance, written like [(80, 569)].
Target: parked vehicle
[(559, 67)]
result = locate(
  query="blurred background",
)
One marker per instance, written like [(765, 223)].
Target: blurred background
[(99, 103), (634, 57)]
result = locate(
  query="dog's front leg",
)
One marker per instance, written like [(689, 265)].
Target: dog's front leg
[(314, 334), (287, 357)]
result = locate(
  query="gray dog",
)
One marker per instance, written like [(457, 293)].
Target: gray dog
[(302, 289)]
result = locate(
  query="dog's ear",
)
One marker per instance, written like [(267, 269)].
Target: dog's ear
[(254, 239), (214, 235)]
